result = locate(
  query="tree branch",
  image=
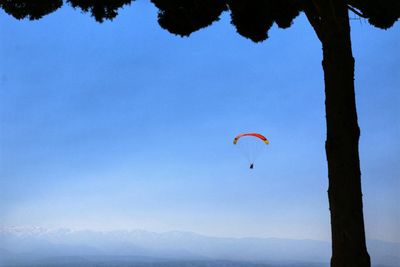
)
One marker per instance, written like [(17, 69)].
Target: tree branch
[(313, 17), (355, 11)]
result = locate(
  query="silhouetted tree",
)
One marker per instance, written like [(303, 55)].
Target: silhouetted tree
[(100, 9), (33, 9), (253, 19)]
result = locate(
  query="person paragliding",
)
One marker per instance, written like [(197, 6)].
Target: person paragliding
[(251, 146)]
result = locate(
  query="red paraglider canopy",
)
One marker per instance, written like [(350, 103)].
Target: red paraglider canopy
[(262, 137)]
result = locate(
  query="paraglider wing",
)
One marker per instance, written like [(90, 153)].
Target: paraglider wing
[(251, 146), (263, 138)]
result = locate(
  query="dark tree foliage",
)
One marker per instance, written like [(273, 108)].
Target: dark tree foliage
[(31, 9), (100, 9), (183, 17), (382, 14), (253, 19)]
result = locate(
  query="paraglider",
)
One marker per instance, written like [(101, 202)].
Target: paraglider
[(251, 146)]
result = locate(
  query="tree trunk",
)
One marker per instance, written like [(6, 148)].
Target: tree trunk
[(345, 197)]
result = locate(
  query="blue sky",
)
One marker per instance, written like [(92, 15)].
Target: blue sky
[(122, 125)]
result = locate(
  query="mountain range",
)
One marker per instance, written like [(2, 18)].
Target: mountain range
[(36, 246)]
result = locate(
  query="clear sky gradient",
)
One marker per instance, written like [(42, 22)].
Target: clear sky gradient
[(122, 125)]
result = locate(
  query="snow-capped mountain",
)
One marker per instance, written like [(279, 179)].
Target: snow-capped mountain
[(37, 242)]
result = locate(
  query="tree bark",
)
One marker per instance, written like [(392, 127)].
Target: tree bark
[(345, 197)]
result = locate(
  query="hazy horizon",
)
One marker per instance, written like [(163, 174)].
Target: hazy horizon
[(65, 247), (41, 229)]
